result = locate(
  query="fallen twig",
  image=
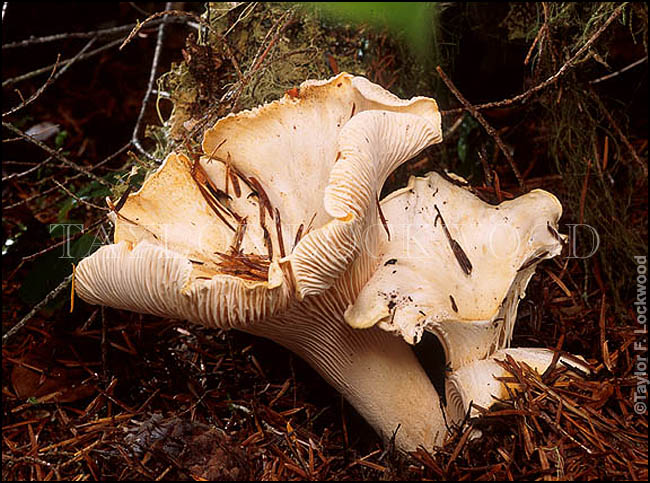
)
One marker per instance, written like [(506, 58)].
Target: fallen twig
[(152, 78), (479, 117), (563, 70), (50, 296), (47, 68), (55, 153), (619, 132)]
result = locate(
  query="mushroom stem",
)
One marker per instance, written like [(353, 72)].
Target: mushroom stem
[(375, 371), (479, 383), (467, 341)]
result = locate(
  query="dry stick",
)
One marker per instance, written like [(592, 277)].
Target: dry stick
[(87, 203), (26, 172), (152, 78), (234, 180), (227, 175), (83, 231), (71, 35), (264, 199), (457, 250), (311, 221), (239, 236), (479, 117), (52, 77), (164, 14), (619, 72), (382, 217), (55, 154), (619, 132), (565, 68), (275, 27), (278, 229), (260, 55), (486, 168), (36, 308), (273, 41), (38, 92), (104, 344), (48, 191), (298, 234), (47, 68), (123, 198), (214, 205), (538, 37), (207, 188)]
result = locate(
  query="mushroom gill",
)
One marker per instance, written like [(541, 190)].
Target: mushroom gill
[(277, 230)]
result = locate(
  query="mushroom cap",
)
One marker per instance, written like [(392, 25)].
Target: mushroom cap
[(438, 230), (323, 156), (276, 230), (273, 212), (163, 260)]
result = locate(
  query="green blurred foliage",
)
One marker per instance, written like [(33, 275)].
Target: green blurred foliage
[(49, 270), (416, 22), (59, 141)]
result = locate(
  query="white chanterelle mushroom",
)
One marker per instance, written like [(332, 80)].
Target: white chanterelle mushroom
[(277, 230)]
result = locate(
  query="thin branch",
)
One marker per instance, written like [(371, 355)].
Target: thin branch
[(242, 16), (619, 72), (569, 64), (71, 178), (37, 93), (619, 132), (49, 297), (104, 344), (152, 78), (35, 197), (279, 27), (55, 154), (479, 117), (51, 79), (83, 231), (70, 193), (259, 59), (42, 70), (70, 35), (26, 172), (538, 39), (164, 14)]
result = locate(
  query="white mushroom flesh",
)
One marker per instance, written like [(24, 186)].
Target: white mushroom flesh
[(276, 230)]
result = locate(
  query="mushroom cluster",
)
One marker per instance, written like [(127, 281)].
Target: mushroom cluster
[(277, 230)]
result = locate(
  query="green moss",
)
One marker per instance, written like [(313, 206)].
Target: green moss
[(276, 46)]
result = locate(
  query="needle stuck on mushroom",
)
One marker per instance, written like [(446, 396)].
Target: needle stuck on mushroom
[(277, 231)]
